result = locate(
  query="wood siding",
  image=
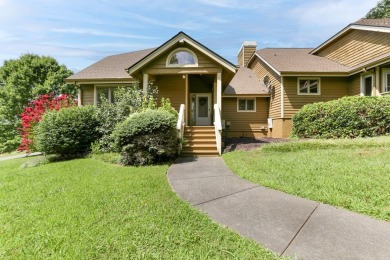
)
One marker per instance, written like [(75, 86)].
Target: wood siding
[(87, 92), (172, 87), (262, 70), (331, 88), (356, 47), (245, 121), (354, 85)]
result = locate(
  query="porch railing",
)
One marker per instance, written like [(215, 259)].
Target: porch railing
[(180, 125), (218, 128)]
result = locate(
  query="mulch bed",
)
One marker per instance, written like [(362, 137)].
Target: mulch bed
[(246, 143)]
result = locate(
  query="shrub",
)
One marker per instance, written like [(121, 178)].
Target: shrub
[(33, 113), (147, 137), (128, 100), (348, 117), (67, 132)]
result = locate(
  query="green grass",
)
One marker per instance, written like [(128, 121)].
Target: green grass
[(88, 209), (353, 174)]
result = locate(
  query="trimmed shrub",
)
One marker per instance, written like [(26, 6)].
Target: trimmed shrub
[(147, 137), (348, 117), (67, 132)]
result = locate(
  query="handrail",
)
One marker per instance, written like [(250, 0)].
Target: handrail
[(180, 125), (218, 128)]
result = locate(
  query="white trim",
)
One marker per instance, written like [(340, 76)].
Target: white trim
[(377, 81), (385, 72), (209, 117), (181, 37), (246, 96), (246, 99), (309, 94), (247, 44), (79, 96), (168, 65), (281, 97), (94, 95), (145, 82), (349, 27), (362, 86), (219, 90)]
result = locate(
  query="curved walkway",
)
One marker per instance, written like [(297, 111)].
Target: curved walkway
[(286, 224)]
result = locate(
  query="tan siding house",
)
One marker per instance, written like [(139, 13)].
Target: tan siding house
[(255, 98)]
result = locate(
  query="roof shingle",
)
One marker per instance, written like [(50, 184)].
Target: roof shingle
[(245, 82), (299, 60), (111, 67), (384, 22)]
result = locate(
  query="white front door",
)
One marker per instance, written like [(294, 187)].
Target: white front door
[(203, 109)]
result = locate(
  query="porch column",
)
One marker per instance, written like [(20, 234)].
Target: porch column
[(219, 90), (186, 100), (145, 82), (377, 82), (79, 102)]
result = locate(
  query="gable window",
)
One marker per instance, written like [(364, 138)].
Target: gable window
[(309, 86), (366, 85), (105, 93), (182, 58), (386, 80), (246, 105)]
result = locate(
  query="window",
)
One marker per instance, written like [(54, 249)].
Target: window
[(182, 58), (105, 93), (309, 86), (246, 105), (367, 82), (386, 80)]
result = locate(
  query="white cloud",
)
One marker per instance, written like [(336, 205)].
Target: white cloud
[(238, 4)]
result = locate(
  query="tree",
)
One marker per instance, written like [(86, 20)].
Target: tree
[(381, 10), (21, 80)]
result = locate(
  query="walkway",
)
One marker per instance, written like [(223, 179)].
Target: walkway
[(6, 158), (286, 224)]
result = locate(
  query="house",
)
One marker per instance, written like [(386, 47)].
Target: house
[(257, 97)]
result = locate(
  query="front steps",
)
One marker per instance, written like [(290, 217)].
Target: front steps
[(199, 141)]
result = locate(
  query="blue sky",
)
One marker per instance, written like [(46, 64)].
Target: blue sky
[(78, 33)]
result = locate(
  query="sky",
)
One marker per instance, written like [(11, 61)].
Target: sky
[(80, 32)]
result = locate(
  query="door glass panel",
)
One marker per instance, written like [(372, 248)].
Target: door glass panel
[(203, 106), (368, 86)]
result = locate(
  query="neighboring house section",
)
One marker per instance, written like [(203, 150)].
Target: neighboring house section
[(259, 96), (355, 61)]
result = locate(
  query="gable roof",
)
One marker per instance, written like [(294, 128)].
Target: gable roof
[(378, 25), (182, 37), (245, 82), (111, 67), (298, 60)]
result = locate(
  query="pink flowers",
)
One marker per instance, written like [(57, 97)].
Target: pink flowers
[(33, 113)]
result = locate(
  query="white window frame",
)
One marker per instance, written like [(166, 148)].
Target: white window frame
[(309, 94), (362, 81), (181, 65), (385, 73), (246, 98)]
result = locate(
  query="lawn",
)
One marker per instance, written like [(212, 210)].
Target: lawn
[(353, 174), (88, 209)]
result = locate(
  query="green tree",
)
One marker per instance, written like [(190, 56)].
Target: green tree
[(21, 80), (381, 10)]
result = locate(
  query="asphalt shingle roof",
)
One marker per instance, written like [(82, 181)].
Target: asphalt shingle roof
[(111, 67), (244, 82), (384, 22), (299, 60)]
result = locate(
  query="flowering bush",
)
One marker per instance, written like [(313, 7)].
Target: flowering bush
[(33, 113)]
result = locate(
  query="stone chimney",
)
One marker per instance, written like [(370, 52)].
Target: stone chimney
[(246, 51)]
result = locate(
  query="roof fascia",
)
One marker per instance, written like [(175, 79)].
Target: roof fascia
[(266, 63)]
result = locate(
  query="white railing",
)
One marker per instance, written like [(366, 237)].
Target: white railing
[(180, 125), (218, 128)]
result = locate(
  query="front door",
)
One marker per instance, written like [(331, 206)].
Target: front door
[(203, 109)]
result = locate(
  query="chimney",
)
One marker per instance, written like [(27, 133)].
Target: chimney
[(246, 51)]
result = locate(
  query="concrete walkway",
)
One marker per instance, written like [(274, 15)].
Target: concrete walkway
[(286, 224), (19, 156)]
